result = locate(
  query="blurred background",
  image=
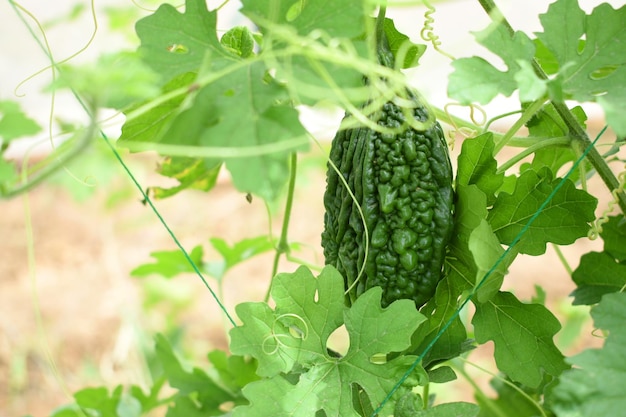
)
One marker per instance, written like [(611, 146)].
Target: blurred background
[(72, 316)]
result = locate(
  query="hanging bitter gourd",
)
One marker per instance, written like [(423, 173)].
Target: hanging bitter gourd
[(402, 182)]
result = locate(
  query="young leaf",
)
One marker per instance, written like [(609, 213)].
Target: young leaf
[(399, 41), (170, 263), (595, 72), (475, 249), (239, 252), (597, 274), (547, 123), (565, 218), (239, 40), (595, 387), (292, 340), (522, 335), (14, 123), (476, 165)]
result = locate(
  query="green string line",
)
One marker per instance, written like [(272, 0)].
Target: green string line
[(165, 225), (129, 173), (484, 279)]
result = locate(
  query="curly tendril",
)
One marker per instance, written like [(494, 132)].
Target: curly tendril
[(596, 228), (295, 332), (54, 64), (465, 132), (428, 34)]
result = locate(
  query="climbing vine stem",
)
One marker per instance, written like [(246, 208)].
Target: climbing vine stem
[(578, 134), (282, 247)]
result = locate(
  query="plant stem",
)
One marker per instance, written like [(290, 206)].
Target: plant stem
[(560, 141), (55, 163), (525, 117), (578, 134), (425, 395), (561, 257), (283, 243)]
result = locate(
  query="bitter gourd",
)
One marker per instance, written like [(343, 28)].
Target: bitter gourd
[(402, 182)]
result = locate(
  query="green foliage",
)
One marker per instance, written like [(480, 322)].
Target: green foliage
[(192, 174), (174, 43), (581, 52), (478, 166), (14, 123), (339, 19), (475, 79), (522, 335), (239, 40), (171, 263), (601, 273), (587, 70), (514, 400), (450, 409), (115, 80), (290, 344), (563, 220), (594, 387), (399, 43)]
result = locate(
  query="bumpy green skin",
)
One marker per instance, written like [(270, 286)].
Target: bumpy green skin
[(403, 183)]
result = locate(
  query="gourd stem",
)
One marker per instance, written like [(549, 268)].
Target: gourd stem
[(283, 243), (578, 135)]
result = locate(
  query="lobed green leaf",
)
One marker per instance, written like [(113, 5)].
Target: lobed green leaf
[(290, 344), (563, 220), (590, 54), (523, 338)]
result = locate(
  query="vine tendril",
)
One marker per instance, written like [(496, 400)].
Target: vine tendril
[(428, 33), (596, 227), (466, 132), (276, 337)]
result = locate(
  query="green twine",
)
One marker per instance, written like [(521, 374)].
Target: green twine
[(130, 175), (165, 225), (484, 279)]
